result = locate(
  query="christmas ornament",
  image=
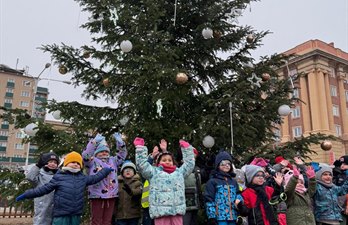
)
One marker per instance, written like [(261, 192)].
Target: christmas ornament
[(62, 69), (124, 120), (255, 80), (250, 38), (106, 82), (284, 110), (181, 78), (265, 76), (217, 34), (207, 33), (326, 145), (86, 54), (208, 141), (159, 107), (126, 46), (124, 137), (56, 114), (113, 15), (31, 129)]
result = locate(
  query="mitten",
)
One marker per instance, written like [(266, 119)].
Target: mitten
[(212, 221), (310, 172), (139, 141), (20, 197), (296, 172), (118, 138), (98, 138), (109, 170), (127, 189), (41, 162), (184, 144)]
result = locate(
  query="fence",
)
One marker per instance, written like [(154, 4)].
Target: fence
[(7, 210)]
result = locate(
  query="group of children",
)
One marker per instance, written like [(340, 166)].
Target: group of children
[(162, 192)]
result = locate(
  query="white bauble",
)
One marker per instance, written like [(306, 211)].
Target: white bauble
[(284, 110), (207, 33), (126, 46), (56, 114), (31, 129), (208, 141)]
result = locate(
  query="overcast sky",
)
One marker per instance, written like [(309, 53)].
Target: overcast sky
[(26, 25)]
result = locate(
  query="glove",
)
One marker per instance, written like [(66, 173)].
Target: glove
[(108, 170), (118, 138), (20, 197), (139, 141), (41, 162), (127, 189), (310, 172), (184, 144), (296, 172), (98, 138), (212, 221)]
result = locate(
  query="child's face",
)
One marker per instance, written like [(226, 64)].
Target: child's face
[(166, 160), (102, 154), (259, 178), (52, 164), (74, 165), (326, 177), (128, 172), (225, 166)]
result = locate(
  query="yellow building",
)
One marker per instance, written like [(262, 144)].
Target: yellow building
[(324, 92)]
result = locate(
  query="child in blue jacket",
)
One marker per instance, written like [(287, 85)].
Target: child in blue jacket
[(69, 185)]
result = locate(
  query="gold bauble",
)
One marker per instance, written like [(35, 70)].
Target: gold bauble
[(106, 82), (86, 54), (326, 145), (250, 38), (124, 137), (265, 76), (62, 69), (217, 34), (181, 78)]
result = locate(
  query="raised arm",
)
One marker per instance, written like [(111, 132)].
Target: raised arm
[(188, 158), (145, 168), (121, 148)]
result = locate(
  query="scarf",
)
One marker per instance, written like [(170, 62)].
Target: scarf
[(104, 158), (168, 169), (50, 170), (72, 170), (325, 184)]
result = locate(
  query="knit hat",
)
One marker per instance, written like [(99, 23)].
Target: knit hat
[(323, 167), (128, 164), (73, 157), (251, 171), (101, 146), (279, 159), (259, 162), (222, 156), (49, 156), (195, 151), (344, 159)]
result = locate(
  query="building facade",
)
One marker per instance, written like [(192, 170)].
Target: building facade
[(19, 91), (323, 88)]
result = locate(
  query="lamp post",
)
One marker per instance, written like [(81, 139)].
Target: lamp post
[(231, 121)]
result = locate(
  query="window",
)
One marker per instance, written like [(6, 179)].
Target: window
[(333, 73), (9, 90), (8, 100), (4, 122), (25, 94), (10, 80), (24, 104), (3, 144), (26, 83), (20, 135), (297, 131), (333, 91), (338, 130), (3, 133), (296, 113), (335, 110), (295, 93), (19, 146), (277, 134)]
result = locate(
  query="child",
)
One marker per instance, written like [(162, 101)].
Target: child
[(167, 188), (222, 194), (257, 195), (299, 205), (326, 207), (39, 175), (69, 185), (102, 195), (128, 207)]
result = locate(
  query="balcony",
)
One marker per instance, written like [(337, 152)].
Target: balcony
[(10, 85), (2, 148), (5, 126), (40, 99), (4, 159), (8, 105), (42, 90), (15, 159), (3, 138), (9, 95)]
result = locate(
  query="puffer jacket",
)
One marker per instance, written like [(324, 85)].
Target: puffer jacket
[(129, 206), (43, 206), (167, 190), (69, 191)]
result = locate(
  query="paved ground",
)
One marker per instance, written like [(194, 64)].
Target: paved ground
[(16, 221)]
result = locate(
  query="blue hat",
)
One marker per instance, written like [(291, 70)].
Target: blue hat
[(222, 156), (102, 146)]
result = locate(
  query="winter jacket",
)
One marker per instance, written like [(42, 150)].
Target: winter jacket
[(221, 192), (43, 206), (300, 210), (107, 188), (193, 193), (69, 191), (129, 206), (256, 213), (167, 190), (326, 206)]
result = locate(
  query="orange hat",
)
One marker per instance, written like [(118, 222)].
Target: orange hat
[(73, 157)]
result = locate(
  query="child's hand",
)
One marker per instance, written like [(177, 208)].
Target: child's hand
[(163, 145), (278, 178), (310, 172), (236, 202), (109, 170), (298, 160), (184, 144), (41, 162), (119, 140), (127, 189), (20, 197), (98, 138), (138, 141), (296, 172), (155, 152)]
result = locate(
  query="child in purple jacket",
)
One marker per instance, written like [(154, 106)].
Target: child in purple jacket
[(102, 195)]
